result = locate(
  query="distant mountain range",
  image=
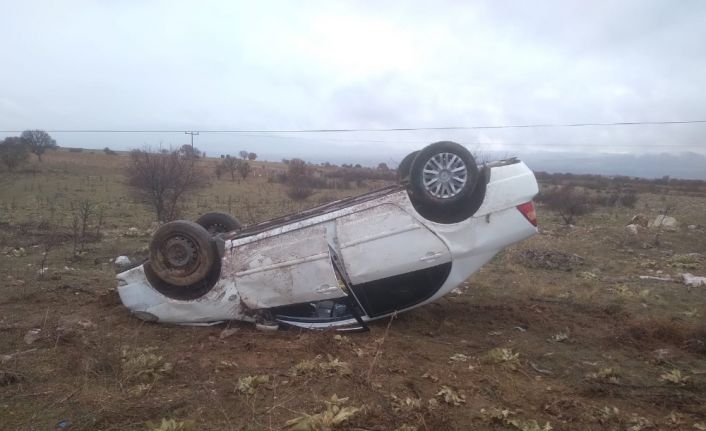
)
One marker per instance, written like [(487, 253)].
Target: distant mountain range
[(686, 165)]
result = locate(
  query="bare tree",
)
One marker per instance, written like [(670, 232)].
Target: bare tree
[(243, 168), (189, 151), (13, 152), (297, 168), (38, 142), (243, 154), (164, 180)]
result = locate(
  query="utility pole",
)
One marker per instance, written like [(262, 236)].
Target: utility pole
[(192, 133)]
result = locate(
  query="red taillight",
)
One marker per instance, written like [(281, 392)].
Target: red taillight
[(527, 210)]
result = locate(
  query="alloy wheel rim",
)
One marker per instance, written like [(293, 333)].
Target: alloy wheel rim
[(444, 175)]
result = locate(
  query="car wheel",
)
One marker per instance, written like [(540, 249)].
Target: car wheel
[(405, 165), (443, 174), (182, 253), (216, 223)]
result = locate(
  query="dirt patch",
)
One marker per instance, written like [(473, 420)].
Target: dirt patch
[(651, 333), (550, 259)]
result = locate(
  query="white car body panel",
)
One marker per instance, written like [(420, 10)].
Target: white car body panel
[(383, 241), (377, 239)]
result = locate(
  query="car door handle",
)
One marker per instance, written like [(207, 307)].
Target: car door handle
[(432, 255)]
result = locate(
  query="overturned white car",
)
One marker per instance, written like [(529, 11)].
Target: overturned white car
[(344, 263)]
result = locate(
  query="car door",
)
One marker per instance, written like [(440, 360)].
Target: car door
[(391, 259), (289, 268)]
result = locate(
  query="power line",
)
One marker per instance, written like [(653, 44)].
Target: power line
[(397, 129), (460, 141)]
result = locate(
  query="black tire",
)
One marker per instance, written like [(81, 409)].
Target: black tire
[(216, 223), (443, 174), (182, 253), (405, 165)]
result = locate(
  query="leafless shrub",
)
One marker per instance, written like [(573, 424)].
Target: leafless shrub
[(13, 152), (50, 242), (233, 166), (164, 180), (299, 177), (299, 192), (83, 212), (243, 168), (568, 201)]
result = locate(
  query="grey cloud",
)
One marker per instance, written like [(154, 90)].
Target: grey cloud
[(272, 65)]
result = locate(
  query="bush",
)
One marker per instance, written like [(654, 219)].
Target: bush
[(569, 201), (13, 152), (299, 192), (109, 152), (299, 177), (164, 180), (629, 200), (243, 168), (76, 150)]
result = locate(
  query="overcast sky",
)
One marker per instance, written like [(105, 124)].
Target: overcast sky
[(365, 64)]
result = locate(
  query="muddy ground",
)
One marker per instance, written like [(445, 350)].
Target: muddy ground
[(537, 340)]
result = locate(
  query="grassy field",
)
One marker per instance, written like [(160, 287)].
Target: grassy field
[(562, 331)]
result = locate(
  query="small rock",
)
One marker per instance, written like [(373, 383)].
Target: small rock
[(665, 222), (634, 229), (691, 227), (19, 252), (227, 333), (639, 220), (693, 280), (652, 277), (660, 356), (33, 335), (122, 261), (133, 231), (70, 324)]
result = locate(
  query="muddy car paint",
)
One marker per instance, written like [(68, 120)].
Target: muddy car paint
[(378, 243)]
